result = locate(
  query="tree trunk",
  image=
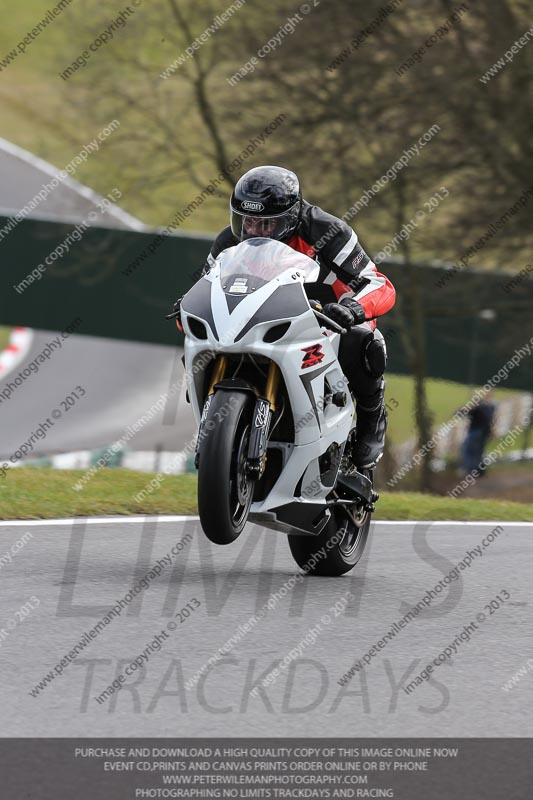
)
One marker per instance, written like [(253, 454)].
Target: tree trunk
[(415, 327)]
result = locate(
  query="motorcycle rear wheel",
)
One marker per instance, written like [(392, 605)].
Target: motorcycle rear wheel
[(338, 548)]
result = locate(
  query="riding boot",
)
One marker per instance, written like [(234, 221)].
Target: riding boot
[(370, 430)]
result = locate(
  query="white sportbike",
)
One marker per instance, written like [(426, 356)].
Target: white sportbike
[(274, 409)]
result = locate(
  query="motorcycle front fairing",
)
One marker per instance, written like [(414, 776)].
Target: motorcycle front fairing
[(251, 291)]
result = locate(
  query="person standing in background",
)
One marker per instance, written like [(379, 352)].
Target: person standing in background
[(480, 424)]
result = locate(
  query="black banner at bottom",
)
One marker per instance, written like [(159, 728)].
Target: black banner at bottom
[(405, 769)]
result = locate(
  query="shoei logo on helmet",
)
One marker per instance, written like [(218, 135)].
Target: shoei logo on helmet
[(251, 205)]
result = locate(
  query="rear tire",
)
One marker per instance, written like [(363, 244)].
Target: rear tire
[(224, 489), (341, 556)]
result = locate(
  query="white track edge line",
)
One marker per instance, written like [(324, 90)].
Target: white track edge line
[(185, 518)]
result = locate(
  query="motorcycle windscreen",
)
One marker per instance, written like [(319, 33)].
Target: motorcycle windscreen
[(254, 262)]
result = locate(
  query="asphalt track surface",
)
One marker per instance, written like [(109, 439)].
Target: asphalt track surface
[(122, 380), (24, 176), (77, 571)]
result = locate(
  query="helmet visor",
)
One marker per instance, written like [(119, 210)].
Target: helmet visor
[(278, 227)]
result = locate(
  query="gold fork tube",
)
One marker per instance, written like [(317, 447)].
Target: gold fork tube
[(272, 384), (218, 372)]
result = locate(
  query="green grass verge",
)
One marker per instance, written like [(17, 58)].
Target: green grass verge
[(42, 493)]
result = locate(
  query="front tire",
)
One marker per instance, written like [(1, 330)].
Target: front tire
[(224, 489)]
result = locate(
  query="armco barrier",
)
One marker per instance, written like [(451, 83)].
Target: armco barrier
[(121, 283)]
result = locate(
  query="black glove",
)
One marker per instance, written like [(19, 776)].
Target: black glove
[(346, 313)]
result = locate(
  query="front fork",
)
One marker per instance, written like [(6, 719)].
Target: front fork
[(218, 375), (262, 417)]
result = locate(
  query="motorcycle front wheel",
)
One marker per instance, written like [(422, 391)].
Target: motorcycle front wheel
[(225, 490)]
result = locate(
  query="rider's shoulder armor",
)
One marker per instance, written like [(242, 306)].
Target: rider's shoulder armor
[(335, 243)]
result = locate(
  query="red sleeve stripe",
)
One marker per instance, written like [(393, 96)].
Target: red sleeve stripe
[(380, 300)]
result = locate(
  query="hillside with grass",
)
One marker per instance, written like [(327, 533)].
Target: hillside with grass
[(343, 128)]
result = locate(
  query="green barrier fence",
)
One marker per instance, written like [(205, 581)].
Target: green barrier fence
[(120, 283)]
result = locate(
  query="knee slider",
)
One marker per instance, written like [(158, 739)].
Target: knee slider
[(375, 358)]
